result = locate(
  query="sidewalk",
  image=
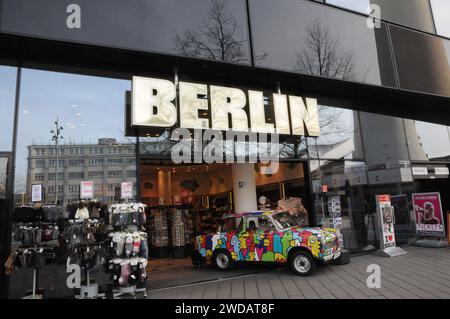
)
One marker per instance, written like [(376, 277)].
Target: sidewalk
[(422, 273)]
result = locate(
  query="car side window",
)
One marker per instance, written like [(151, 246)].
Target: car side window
[(265, 224)]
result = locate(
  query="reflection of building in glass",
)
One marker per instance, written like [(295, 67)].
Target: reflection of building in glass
[(106, 163)]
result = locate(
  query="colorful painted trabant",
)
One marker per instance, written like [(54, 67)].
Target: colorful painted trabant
[(268, 237)]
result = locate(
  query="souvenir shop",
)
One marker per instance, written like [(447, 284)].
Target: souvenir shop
[(187, 200)]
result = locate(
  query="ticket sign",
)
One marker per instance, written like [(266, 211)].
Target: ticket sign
[(36, 193), (429, 214), (87, 190), (126, 190)]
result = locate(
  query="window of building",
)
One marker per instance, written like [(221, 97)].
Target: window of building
[(60, 188), (414, 14), (38, 177), (96, 162), (51, 189), (113, 187), (40, 163), (96, 174), (73, 188), (299, 43), (52, 162), (178, 20), (76, 162), (115, 162), (131, 174), (114, 174), (51, 176), (76, 175)]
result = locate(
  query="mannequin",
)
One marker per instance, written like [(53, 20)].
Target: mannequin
[(82, 211)]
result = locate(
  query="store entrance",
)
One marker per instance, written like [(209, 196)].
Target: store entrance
[(188, 200)]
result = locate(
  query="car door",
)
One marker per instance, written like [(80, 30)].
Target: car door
[(264, 240)]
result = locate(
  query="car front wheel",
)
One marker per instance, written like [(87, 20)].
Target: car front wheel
[(223, 260), (302, 263)]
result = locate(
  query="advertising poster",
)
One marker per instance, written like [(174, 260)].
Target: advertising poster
[(386, 214), (87, 190), (334, 210), (126, 190), (36, 193), (428, 213)]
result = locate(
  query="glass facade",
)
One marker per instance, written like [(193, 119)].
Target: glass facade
[(90, 147), (7, 98), (430, 57), (368, 154), (414, 14), (213, 30), (319, 40)]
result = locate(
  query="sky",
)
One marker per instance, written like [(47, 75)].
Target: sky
[(356, 5), (441, 12)]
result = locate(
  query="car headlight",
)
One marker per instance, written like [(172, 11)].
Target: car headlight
[(323, 240)]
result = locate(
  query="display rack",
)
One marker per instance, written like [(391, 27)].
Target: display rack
[(80, 239), (128, 246)]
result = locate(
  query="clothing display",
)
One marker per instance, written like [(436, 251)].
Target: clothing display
[(158, 227), (88, 256), (178, 228), (30, 235), (127, 244), (82, 213), (28, 214), (24, 258), (95, 210), (80, 233)]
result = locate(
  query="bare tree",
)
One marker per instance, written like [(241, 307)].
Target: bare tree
[(322, 55), (219, 37)]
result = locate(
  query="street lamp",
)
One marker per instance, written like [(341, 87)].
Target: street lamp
[(55, 138)]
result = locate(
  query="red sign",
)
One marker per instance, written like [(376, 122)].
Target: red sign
[(385, 198), (324, 188)]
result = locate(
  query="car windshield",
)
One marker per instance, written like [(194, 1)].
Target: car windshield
[(285, 220)]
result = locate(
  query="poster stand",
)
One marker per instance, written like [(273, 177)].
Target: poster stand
[(385, 225), (429, 220), (432, 242)]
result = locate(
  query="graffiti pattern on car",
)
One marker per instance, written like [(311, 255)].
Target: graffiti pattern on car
[(267, 246)]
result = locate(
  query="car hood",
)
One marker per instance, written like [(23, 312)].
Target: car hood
[(328, 233)]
